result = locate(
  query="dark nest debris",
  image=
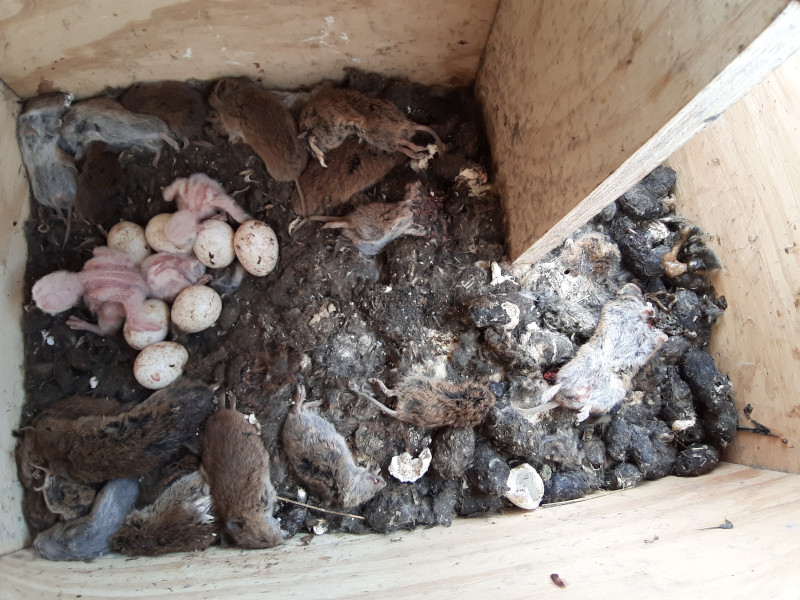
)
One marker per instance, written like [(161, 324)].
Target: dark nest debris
[(443, 306)]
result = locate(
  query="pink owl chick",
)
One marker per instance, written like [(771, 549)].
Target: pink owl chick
[(168, 273), (198, 198), (111, 285)]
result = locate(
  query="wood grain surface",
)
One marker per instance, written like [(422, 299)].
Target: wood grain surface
[(14, 193), (85, 45), (739, 180), (658, 540), (583, 99)]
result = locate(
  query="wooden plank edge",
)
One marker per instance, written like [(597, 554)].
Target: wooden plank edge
[(14, 210), (653, 536), (766, 53)]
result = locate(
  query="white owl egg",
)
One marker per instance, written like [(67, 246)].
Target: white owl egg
[(256, 247), (160, 364), (213, 245), (196, 308)]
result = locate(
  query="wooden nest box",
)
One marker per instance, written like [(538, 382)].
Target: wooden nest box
[(580, 101)]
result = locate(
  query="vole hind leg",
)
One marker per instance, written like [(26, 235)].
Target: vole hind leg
[(583, 414), (169, 140), (300, 400), (382, 387), (410, 149), (382, 407), (317, 152)]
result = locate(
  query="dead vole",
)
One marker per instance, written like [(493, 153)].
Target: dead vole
[(257, 117), (332, 115), (599, 377), (352, 167), (101, 186), (67, 498), (88, 537), (425, 402), (370, 227), (51, 171), (321, 459), (106, 120), (130, 444), (176, 103), (236, 466), (180, 520), (33, 476)]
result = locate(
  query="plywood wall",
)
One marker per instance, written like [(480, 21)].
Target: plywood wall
[(582, 99), (85, 45), (740, 180), (658, 540), (13, 213)]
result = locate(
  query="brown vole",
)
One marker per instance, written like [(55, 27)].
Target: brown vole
[(176, 103), (130, 444), (38, 509), (106, 120), (88, 537), (332, 115), (352, 167), (33, 476), (599, 377), (180, 520), (370, 227), (425, 402), (249, 113), (101, 186), (51, 171), (236, 466), (321, 459)]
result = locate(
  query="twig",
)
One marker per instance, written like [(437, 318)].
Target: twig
[(325, 510)]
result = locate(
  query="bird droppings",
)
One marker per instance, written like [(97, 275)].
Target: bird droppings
[(433, 301)]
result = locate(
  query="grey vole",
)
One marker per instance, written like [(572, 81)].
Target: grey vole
[(180, 520), (599, 377), (425, 402), (236, 465), (321, 459), (88, 537), (106, 120), (51, 171)]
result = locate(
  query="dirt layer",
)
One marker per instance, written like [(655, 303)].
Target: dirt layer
[(329, 317)]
